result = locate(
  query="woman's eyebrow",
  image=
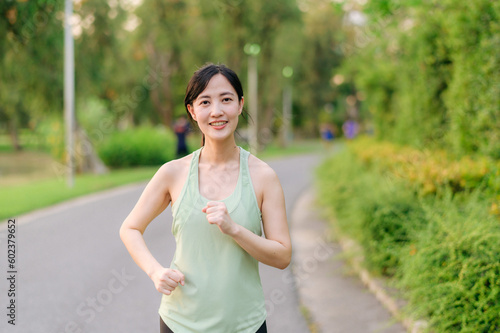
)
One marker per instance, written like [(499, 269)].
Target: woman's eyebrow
[(221, 94)]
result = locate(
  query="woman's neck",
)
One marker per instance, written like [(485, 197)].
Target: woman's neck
[(219, 152)]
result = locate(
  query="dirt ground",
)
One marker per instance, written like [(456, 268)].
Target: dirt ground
[(25, 166)]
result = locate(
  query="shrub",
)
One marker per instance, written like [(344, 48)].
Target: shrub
[(379, 212), (337, 183), (138, 147), (428, 170), (442, 249), (452, 273), (429, 71), (390, 221)]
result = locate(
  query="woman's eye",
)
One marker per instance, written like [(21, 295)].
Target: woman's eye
[(204, 103), (227, 99)]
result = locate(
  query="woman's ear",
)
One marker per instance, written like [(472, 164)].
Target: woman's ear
[(191, 111), (242, 102)]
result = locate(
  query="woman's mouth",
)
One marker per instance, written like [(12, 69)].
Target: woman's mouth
[(218, 124)]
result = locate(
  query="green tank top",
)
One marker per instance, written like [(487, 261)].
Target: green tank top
[(222, 291)]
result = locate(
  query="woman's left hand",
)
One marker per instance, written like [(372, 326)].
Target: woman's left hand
[(217, 214)]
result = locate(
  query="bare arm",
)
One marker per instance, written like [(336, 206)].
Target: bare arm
[(152, 202), (274, 250)]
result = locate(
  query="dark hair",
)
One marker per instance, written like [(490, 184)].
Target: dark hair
[(202, 77)]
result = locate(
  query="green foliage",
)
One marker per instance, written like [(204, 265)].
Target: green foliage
[(430, 70), (138, 147), (30, 46), (391, 219), (453, 272), (50, 133), (35, 194), (429, 170), (338, 195), (135, 58), (377, 211), (314, 89), (473, 97), (94, 118), (442, 250)]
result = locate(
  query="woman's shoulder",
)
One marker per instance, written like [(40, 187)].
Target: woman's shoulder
[(260, 171), (174, 169)]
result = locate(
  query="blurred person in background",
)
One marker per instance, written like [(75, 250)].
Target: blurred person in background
[(327, 132), (181, 129), (350, 128)]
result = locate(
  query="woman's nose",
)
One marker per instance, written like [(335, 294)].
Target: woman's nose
[(217, 110)]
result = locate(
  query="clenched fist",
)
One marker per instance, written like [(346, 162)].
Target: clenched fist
[(167, 279), (217, 214)]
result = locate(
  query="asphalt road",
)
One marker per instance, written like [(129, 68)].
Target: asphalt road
[(75, 275)]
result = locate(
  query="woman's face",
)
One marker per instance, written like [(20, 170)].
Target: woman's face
[(217, 108)]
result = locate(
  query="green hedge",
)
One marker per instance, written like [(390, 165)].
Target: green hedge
[(452, 271), (429, 71), (378, 212), (143, 146), (442, 251)]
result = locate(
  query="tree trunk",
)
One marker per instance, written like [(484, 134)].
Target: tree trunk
[(87, 159), (13, 133)]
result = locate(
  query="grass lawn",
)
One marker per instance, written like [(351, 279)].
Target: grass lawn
[(29, 180), (19, 199), (300, 147)]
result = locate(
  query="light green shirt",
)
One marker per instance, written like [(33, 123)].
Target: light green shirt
[(222, 291)]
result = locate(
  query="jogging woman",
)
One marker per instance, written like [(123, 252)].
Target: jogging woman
[(221, 195)]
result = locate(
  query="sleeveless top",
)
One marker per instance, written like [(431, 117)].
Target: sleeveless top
[(222, 291)]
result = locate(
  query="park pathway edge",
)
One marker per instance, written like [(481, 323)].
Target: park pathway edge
[(314, 253)]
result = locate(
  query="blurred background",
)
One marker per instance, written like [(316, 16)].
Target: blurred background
[(423, 73), (420, 73)]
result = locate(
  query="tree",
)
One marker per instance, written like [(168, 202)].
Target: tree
[(29, 68)]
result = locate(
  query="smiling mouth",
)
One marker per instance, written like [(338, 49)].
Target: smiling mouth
[(218, 123)]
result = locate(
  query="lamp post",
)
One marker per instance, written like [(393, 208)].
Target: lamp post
[(252, 50), (287, 106), (69, 91)]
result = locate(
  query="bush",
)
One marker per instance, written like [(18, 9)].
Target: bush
[(50, 133), (142, 146), (390, 221), (429, 170), (338, 183), (452, 273), (429, 71), (442, 249), (381, 214)]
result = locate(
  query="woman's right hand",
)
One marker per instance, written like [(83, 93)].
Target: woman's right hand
[(167, 279)]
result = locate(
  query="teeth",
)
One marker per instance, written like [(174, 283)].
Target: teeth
[(219, 123)]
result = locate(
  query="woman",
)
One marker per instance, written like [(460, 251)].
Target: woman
[(219, 195)]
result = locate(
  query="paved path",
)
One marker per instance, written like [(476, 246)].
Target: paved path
[(74, 274), (338, 301)]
